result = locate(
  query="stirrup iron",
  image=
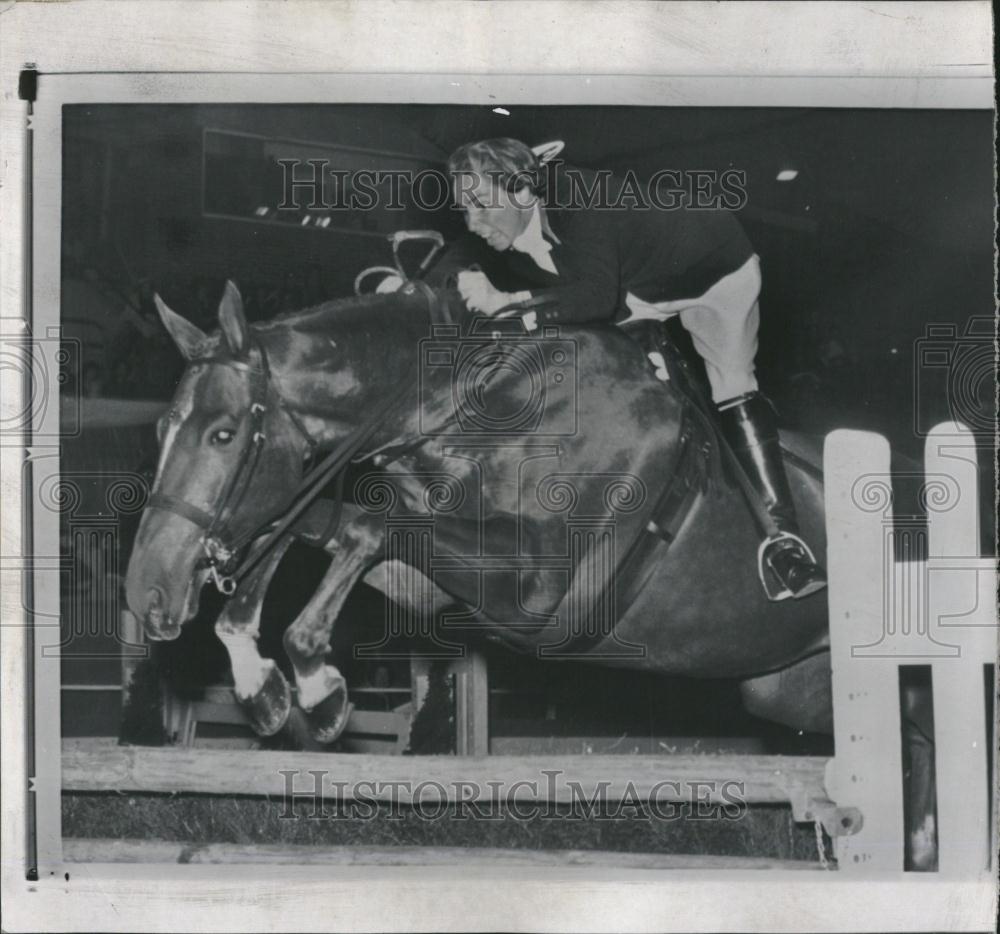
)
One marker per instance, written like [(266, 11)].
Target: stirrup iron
[(775, 595)]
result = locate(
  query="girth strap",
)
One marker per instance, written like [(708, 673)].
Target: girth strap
[(690, 480)]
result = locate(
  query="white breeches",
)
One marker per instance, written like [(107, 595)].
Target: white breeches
[(723, 324)]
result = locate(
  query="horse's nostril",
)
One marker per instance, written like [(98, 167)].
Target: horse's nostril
[(154, 598), (159, 624)]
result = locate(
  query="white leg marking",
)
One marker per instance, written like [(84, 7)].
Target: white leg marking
[(318, 685), (249, 669)]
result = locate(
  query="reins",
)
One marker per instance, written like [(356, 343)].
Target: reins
[(338, 459), (221, 551), (313, 484)]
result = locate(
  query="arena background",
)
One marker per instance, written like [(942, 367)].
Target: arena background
[(880, 247)]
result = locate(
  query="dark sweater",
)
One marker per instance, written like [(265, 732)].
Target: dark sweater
[(656, 255)]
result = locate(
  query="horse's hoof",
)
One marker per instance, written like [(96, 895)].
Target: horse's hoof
[(269, 708), (328, 719), (299, 734)]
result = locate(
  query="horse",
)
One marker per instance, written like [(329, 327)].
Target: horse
[(536, 462)]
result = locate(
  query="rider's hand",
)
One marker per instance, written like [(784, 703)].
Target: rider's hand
[(479, 294)]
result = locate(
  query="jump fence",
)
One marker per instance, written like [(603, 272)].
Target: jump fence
[(885, 614)]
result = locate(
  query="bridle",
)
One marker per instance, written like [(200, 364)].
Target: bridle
[(221, 546), (218, 539)]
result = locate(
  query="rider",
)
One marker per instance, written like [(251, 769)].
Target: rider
[(595, 264)]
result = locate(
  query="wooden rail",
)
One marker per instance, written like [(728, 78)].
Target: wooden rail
[(165, 851), (96, 765)]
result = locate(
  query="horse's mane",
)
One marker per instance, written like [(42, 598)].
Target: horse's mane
[(385, 311), (342, 311)]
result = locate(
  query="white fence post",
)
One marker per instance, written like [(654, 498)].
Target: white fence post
[(866, 771), (962, 598), (940, 612)]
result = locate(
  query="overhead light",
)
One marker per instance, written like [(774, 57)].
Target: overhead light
[(503, 111), (788, 175)]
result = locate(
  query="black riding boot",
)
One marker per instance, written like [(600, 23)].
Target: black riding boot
[(749, 426)]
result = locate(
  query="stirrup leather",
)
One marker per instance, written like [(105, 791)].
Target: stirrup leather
[(780, 593)]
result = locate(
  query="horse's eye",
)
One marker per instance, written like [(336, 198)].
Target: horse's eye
[(222, 436)]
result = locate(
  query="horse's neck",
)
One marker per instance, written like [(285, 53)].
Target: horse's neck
[(333, 367)]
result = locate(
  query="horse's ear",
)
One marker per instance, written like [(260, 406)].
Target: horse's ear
[(233, 321), (190, 339)]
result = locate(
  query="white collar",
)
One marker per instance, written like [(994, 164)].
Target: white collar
[(531, 239)]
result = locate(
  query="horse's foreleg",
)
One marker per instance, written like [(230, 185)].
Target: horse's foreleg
[(260, 686), (322, 690)]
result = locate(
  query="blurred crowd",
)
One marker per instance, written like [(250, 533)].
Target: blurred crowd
[(124, 351)]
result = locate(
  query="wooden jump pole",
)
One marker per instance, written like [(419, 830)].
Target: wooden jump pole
[(94, 766), (165, 851)]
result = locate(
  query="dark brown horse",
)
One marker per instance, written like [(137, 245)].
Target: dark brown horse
[(512, 498), (511, 476)]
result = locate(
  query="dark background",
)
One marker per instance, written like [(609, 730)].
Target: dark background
[(887, 231), (888, 227)]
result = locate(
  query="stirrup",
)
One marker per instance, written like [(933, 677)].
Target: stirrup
[(778, 594)]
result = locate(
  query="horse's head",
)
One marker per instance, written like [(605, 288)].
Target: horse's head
[(230, 460)]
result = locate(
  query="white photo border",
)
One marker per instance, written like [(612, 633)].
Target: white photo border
[(119, 897)]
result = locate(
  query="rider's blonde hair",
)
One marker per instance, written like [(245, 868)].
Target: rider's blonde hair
[(508, 162)]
